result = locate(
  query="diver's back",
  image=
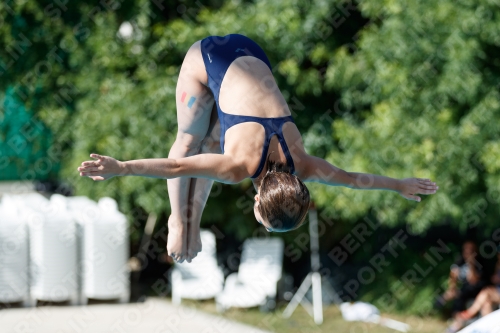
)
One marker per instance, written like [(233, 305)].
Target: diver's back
[(240, 77)]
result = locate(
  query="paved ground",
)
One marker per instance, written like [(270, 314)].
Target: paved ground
[(152, 316)]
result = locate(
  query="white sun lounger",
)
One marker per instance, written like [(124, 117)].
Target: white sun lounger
[(202, 278), (255, 284)]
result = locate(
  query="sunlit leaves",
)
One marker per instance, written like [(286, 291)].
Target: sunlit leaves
[(432, 113)]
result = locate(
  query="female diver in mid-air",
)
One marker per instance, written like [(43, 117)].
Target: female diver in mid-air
[(226, 92)]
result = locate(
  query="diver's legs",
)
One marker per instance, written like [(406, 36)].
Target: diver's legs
[(194, 104)]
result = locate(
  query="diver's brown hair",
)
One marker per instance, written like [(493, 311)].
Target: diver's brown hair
[(283, 198)]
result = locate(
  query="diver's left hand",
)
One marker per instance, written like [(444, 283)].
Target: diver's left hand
[(409, 187)]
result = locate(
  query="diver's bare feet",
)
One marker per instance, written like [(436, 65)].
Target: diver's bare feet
[(177, 239), (194, 242)]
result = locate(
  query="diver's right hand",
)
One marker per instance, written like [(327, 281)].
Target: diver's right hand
[(104, 167)]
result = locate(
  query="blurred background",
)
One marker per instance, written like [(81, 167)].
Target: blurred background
[(398, 88)]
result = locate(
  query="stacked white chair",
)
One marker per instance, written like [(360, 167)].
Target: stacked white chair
[(14, 255), (65, 249), (105, 248), (200, 279), (53, 250), (83, 210), (256, 282)]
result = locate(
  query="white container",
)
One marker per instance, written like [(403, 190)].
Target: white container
[(53, 252), (105, 251), (14, 256)]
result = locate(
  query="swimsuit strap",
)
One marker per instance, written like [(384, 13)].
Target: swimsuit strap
[(263, 157), (276, 128), (286, 151)]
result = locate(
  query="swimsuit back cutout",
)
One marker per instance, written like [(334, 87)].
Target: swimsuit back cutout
[(218, 54)]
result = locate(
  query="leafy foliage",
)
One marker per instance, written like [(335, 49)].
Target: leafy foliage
[(421, 99)]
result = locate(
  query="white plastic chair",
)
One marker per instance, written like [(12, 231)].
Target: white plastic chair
[(104, 250), (53, 251), (52, 246), (200, 279), (255, 284), (14, 256)]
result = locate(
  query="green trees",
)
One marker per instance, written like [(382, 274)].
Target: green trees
[(402, 89), (417, 95), (420, 98), (115, 95), (27, 55)]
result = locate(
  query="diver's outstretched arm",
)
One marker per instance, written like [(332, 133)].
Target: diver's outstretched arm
[(315, 169), (217, 167)]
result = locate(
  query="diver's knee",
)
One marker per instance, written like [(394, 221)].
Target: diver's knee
[(189, 142), (211, 146)]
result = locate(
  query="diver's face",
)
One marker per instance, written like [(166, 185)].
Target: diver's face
[(258, 217)]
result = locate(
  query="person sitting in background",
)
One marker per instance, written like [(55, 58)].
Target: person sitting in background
[(466, 279), (488, 298)]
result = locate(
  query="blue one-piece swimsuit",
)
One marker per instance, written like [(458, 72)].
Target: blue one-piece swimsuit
[(218, 53)]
